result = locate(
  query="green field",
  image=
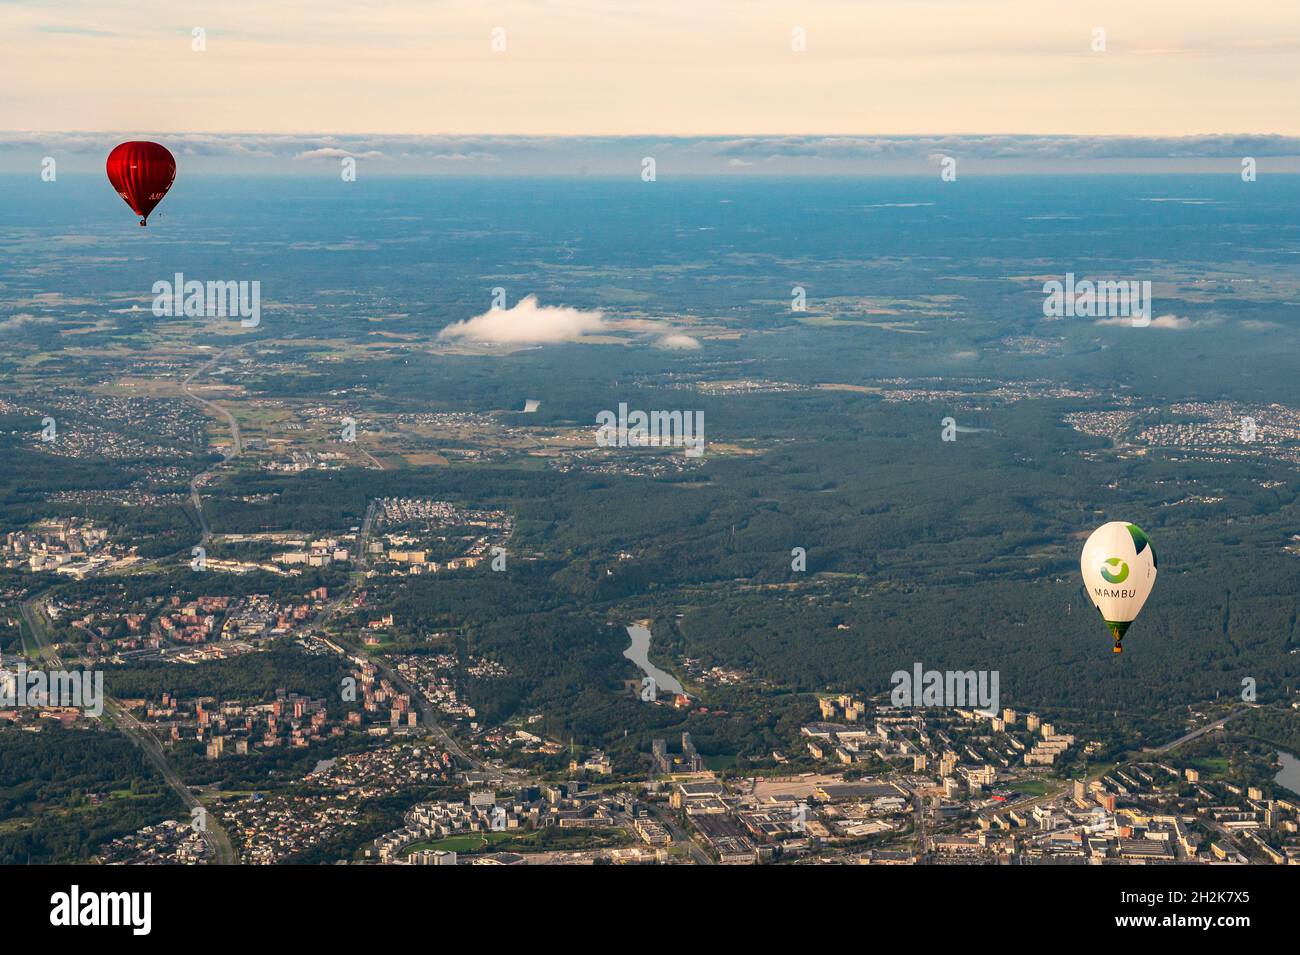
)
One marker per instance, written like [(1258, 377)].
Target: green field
[(1213, 766), (528, 840), (470, 842), (1035, 787)]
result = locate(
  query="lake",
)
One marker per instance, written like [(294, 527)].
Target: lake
[(639, 653), (1289, 777)]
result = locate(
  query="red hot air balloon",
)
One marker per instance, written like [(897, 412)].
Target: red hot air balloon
[(141, 173)]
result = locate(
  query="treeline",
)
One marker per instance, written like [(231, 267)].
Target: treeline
[(251, 677), (46, 780)]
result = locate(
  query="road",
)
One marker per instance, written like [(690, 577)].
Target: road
[(1207, 728), (374, 461), (922, 838), (1030, 802), (680, 836), (223, 852), (236, 443), (214, 834), (428, 715)]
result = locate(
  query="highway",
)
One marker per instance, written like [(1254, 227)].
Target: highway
[(1032, 801), (236, 443), (223, 852), (213, 834), (1207, 728), (428, 715), (680, 836)]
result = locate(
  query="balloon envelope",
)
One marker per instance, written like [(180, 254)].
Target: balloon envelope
[(1119, 569), (141, 173)]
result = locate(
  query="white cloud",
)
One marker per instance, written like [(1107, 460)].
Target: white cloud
[(333, 152), (1257, 325), (527, 323), (678, 342), (20, 319), (1176, 323)]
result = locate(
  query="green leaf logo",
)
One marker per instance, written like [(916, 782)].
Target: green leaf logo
[(1119, 576)]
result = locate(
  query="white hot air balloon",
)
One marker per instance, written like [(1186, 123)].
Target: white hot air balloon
[(1119, 569)]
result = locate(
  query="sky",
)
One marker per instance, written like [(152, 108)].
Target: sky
[(461, 71)]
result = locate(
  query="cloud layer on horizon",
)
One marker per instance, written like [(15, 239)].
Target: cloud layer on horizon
[(686, 155)]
